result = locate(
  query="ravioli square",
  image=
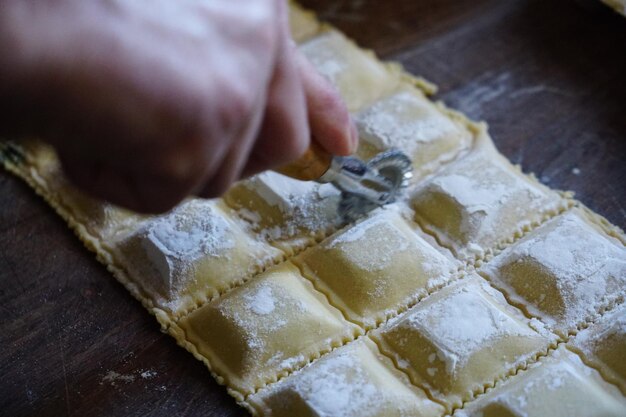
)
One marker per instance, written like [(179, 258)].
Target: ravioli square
[(265, 328), (372, 268), (562, 272), (408, 121), (479, 201), (459, 339), (289, 213), (192, 254), (352, 381), (358, 76), (559, 385), (603, 346)]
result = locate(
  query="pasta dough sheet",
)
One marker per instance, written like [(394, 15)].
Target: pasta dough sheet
[(481, 292)]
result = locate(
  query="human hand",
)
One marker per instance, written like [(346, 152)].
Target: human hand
[(149, 101)]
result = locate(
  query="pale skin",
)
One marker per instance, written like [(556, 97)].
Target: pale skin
[(150, 101)]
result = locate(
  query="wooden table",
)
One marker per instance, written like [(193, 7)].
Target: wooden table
[(548, 76)]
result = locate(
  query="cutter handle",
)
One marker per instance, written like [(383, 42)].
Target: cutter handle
[(310, 166)]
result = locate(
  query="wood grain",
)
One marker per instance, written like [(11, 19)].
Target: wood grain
[(549, 77)]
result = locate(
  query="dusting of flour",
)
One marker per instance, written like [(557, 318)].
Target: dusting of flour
[(192, 230), (342, 384), (462, 323), (582, 265), (377, 233), (262, 301), (304, 204), (403, 121)]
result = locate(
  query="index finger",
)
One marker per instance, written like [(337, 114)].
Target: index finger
[(329, 120)]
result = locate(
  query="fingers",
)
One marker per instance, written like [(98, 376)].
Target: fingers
[(147, 187), (329, 119), (285, 133), (230, 168)]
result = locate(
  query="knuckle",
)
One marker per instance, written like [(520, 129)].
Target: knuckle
[(330, 101), (326, 96)]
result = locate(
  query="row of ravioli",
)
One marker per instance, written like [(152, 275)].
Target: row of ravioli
[(204, 248), (357, 380), (218, 269)]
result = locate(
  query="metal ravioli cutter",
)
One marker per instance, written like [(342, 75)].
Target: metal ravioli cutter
[(364, 185)]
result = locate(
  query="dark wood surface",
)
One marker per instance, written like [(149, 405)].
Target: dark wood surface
[(548, 76)]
